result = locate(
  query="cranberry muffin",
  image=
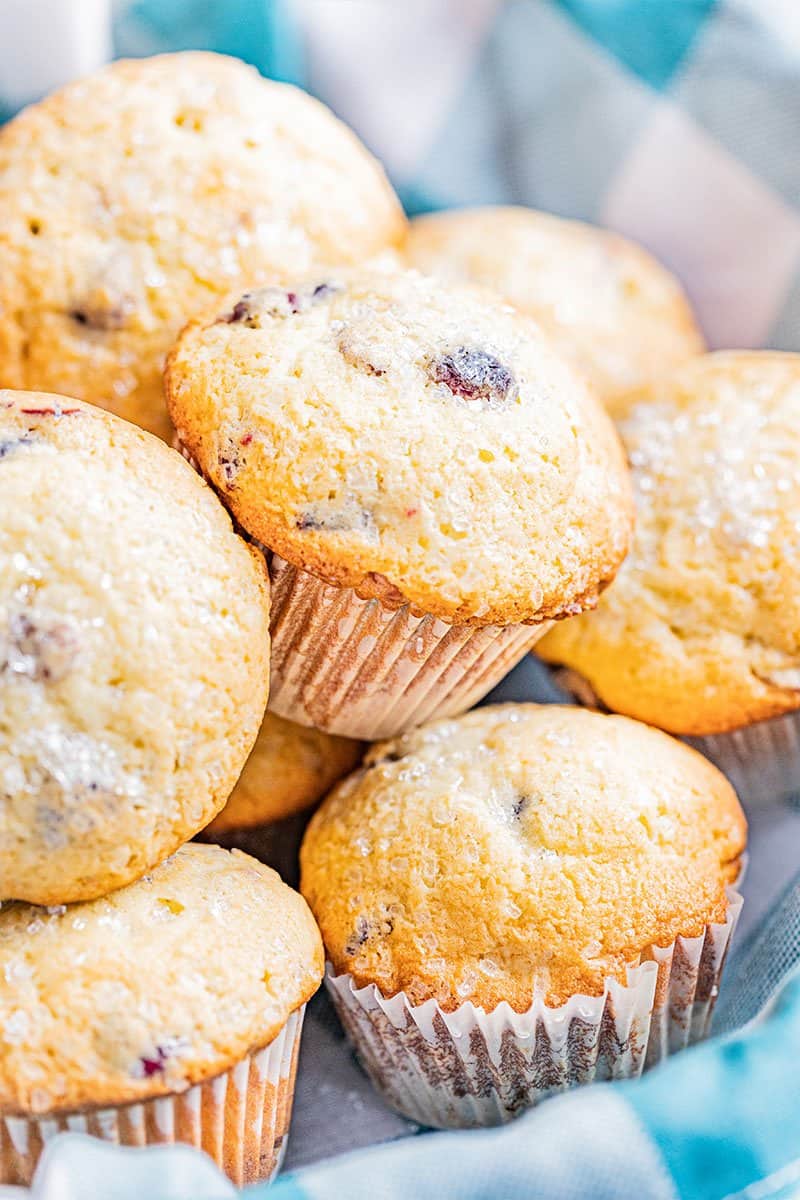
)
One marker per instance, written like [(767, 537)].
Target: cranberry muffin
[(500, 892), (700, 634), (133, 198), (134, 650), (434, 483), (116, 1021)]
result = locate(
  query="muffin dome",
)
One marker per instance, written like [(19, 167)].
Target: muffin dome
[(419, 444), (610, 308), (701, 632), (133, 198), (134, 650), (118, 999), (289, 768), (518, 850)]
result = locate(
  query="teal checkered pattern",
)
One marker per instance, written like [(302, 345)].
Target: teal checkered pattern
[(673, 121)]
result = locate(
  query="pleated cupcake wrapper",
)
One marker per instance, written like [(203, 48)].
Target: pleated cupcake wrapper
[(472, 1068), (357, 668), (762, 761), (240, 1118)]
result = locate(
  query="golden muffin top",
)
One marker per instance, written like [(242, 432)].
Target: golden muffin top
[(421, 444), (131, 199), (290, 767), (701, 631), (520, 850), (119, 999), (134, 650)]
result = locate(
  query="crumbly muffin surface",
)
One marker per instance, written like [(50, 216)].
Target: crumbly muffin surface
[(290, 767), (131, 199), (166, 982), (421, 444), (701, 632), (614, 311), (134, 650), (518, 851)]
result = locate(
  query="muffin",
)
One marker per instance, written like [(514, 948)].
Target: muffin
[(520, 900), (610, 308), (289, 769), (196, 1048), (700, 634), (433, 483), (134, 650), (133, 198)]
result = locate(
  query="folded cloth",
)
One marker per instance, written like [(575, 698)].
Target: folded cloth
[(718, 1122)]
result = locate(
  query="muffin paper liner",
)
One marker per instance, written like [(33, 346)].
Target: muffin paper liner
[(240, 1118), (762, 761), (471, 1068), (357, 668)]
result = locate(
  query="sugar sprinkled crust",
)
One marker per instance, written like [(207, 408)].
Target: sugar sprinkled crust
[(701, 632), (134, 650), (518, 850), (290, 767), (421, 444), (124, 998), (131, 199), (614, 311)]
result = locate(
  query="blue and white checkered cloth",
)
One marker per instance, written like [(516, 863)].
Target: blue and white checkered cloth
[(676, 122)]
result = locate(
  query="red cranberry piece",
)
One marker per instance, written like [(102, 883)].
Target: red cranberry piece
[(240, 311), (473, 374), (42, 649), (152, 1066), (275, 302), (347, 519), (231, 457), (230, 465)]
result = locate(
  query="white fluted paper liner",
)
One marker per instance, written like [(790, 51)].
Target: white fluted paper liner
[(360, 669), (762, 761), (472, 1068), (240, 1118)]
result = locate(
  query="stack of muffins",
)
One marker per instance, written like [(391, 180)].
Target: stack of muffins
[(402, 474)]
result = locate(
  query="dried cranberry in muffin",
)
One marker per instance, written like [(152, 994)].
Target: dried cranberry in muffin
[(474, 374), (121, 733), (140, 1014), (416, 454)]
